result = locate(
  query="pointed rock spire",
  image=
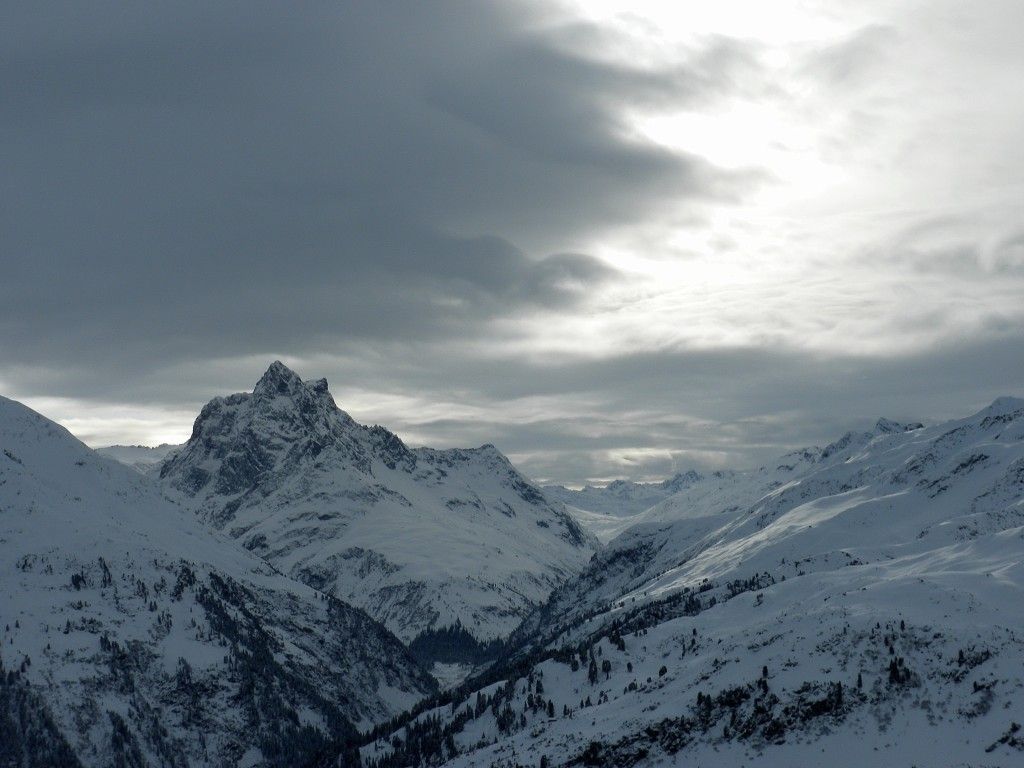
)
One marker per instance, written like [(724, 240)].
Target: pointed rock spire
[(278, 380)]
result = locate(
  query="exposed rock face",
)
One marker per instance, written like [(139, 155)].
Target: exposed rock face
[(422, 539)]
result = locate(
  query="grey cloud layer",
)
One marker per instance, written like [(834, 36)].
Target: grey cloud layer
[(381, 192), (649, 415), (214, 179)]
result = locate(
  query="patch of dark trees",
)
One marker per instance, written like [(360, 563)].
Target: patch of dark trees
[(751, 713), (29, 737), (267, 690), (453, 645)]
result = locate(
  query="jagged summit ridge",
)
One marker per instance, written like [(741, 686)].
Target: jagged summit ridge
[(281, 381), (282, 420), (278, 379), (419, 537)]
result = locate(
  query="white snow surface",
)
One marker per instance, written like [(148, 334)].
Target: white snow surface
[(893, 556), (419, 538), (107, 586)]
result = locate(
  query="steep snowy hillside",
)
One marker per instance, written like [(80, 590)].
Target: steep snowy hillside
[(453, 543), (670, 532), (861, 604), (130, 635), (141, 458)]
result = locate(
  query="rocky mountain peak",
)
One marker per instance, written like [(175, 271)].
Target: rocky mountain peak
[(295, 406), (886, 426), (280, 381), (240, 439), (681, 480)]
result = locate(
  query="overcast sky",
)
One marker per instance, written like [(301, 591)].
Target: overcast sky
[(614, 239)]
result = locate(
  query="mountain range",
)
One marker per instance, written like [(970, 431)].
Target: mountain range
[(141, 458), (424, 540), (290, 587), (608, 510), (860, 604)]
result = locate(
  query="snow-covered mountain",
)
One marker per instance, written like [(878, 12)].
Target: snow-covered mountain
[(857, 604), (622, 498), (131, 635), (424, 540), (608, 510), (860, 604), (142, 458)]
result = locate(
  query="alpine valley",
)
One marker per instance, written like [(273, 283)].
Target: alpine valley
[(292, 588)]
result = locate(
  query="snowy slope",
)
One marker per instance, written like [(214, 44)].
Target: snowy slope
[(861, 604), (420, 538), (144, 639), (142, 458)]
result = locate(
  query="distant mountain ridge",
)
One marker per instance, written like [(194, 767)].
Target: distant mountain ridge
[(666, 534), (607, 510), (141, 458), (422, 539), (622, 497)]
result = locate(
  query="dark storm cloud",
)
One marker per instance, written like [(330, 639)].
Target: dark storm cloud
[(197, 180)]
